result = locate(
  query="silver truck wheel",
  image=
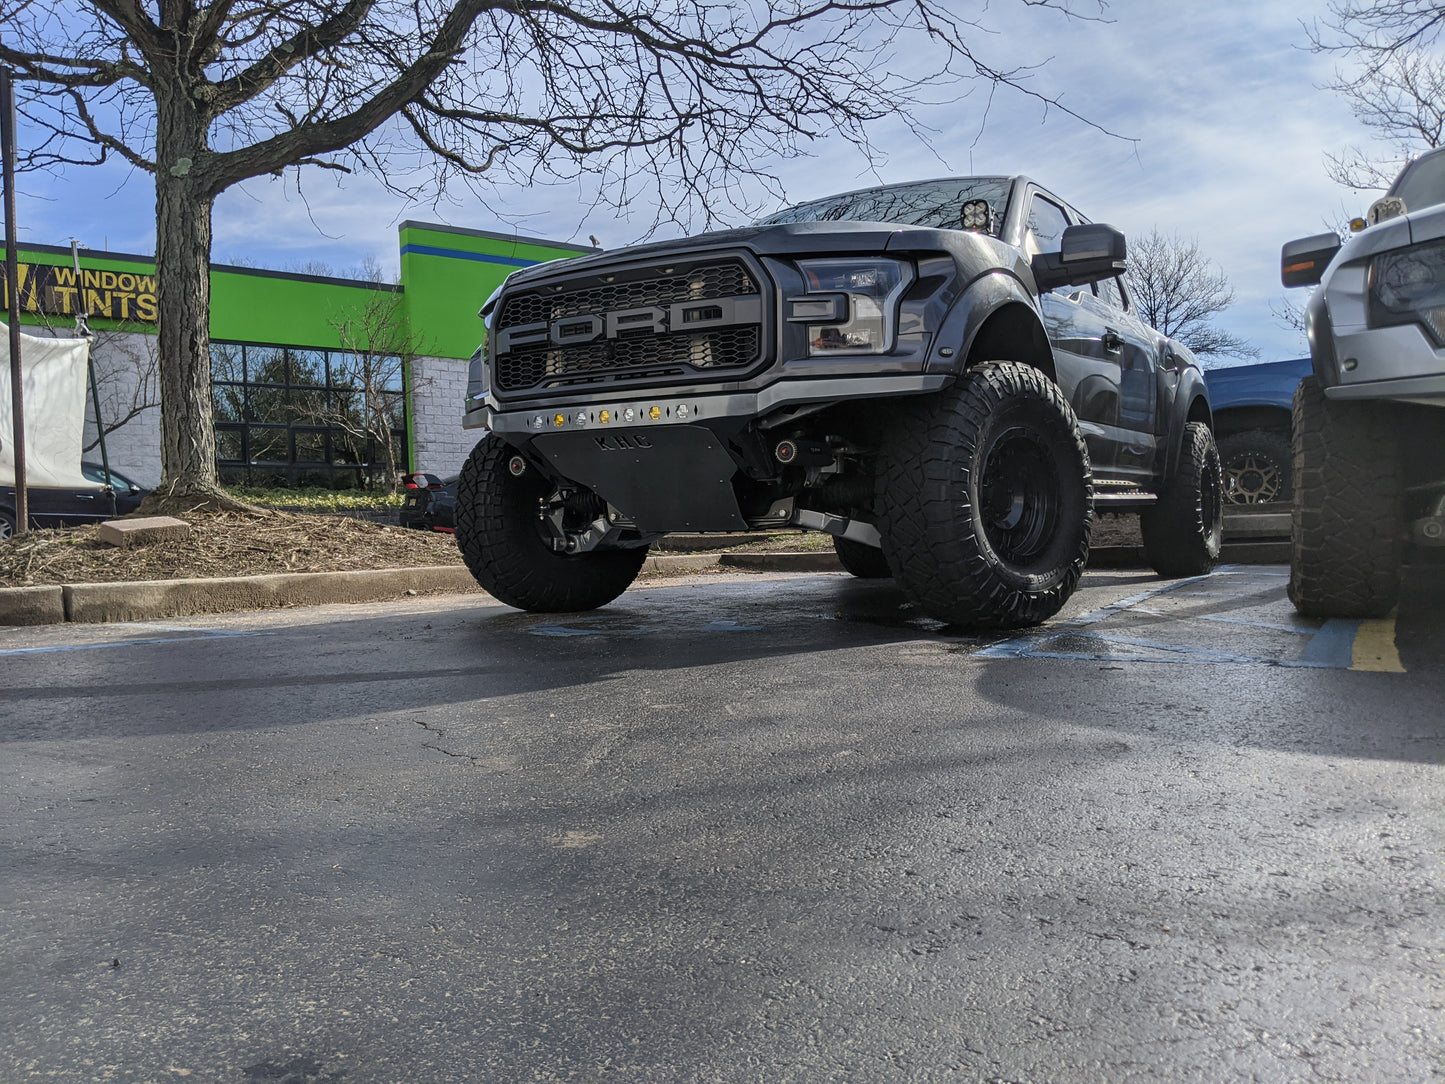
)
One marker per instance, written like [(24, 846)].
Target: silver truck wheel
[(1346, 537), (1257, 468), (505, 546), (986, 499)]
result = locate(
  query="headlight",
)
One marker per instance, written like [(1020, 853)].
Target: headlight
[(850, 305), (478, 383), (1407, 286)]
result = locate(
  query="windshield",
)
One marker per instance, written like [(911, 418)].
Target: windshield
[(927, 203), (1422, 184)]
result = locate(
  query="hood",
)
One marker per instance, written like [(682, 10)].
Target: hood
[(789, 239)]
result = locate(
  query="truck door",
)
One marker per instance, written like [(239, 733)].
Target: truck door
[(1134, 348), (1088, 373)]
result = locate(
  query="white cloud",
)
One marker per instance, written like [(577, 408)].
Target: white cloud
[(1222, 101)]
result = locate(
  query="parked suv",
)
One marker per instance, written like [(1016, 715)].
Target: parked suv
[(1369, 432), (949, 377)]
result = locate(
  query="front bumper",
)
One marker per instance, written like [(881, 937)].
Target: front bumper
[(680, 406), (663, 462)]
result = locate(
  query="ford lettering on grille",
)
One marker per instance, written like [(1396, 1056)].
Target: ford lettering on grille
[(650, 319), (636, 325)]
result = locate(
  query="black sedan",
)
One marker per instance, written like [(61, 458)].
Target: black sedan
[(430, 503), (70, 507)]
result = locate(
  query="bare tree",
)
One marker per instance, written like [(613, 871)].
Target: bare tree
[(1178, 290), (128, 383), (1401, 100), (380, 351), (690, 97), (1395, 87)]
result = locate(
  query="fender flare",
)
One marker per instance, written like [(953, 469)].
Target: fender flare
[(1191, 404), (971, 325)]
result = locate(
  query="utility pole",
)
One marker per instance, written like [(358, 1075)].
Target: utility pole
[(12, 290)]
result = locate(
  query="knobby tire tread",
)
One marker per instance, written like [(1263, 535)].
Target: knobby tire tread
[(1177, 539), (500, 542), (1346, 544), (929, 523)]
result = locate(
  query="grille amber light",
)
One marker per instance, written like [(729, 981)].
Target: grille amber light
[(605, 417), (559, 421), (655, 413)]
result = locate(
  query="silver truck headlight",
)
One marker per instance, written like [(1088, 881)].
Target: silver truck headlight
[(851, 305), (478, 377), (1407, 286)]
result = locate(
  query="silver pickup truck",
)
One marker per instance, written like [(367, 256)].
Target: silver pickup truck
[(1369, 432)]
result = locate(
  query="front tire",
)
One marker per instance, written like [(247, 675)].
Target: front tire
[(1348, 508), (504, 544), (986, 496), (7, 524), (865, 562), (1183, 532)]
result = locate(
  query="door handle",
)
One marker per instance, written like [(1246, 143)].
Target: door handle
[(1113, 341), (85, 496)]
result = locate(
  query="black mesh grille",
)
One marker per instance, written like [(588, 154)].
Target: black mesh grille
[(638, 355)]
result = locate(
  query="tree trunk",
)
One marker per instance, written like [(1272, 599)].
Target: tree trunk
[(183, 294)]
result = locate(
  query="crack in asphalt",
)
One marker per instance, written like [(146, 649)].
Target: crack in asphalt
[(442, 734)]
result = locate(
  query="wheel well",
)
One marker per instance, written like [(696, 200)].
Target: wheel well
[(1199, 411), (1013, 333), (1233, 420)]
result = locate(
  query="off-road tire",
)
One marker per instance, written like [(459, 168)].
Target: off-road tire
[(986, 499), (1183, 531), (865, 562), (1258, 468), (1346, 538), (504, 545)]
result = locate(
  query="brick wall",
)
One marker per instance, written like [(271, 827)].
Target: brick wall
[(438, 391)]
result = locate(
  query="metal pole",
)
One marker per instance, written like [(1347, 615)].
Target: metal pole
[(12, 301), (82, 328)]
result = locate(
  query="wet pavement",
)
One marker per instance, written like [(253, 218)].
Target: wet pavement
[(760, 828)]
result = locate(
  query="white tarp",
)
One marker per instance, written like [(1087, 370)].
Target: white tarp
[(53, 381)]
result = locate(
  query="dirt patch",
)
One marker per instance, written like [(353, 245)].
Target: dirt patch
[(223, 544)]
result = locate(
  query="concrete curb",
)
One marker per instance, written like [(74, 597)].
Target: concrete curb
[(149, 599)]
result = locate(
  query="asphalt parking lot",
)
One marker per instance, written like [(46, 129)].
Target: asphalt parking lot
[(732, 828)]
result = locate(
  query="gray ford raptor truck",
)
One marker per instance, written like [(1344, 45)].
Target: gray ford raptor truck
[(948, 377), (1369, 428)]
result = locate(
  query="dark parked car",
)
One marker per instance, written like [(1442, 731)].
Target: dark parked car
[(72, 507), (430, 503), (1252, 428)]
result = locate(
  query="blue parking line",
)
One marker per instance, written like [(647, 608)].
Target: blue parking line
[(1333, 645), (199, 634)]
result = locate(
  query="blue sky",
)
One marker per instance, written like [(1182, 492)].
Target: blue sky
[(1224, 107)]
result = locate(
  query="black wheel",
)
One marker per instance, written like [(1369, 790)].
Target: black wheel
[(1183, 531), (986, 495), (504, 541), (7, 523), (865, 562), (1348, 506), (1258, 466)]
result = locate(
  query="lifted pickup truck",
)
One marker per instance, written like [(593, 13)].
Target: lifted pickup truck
[(947, 376), (1369, 431)]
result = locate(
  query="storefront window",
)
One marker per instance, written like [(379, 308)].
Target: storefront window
[(287, 416)]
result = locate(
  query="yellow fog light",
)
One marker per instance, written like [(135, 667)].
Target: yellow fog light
[(605, 417), (560, 420), (655, 413)]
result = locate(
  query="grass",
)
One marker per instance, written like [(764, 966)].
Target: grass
[(317, 499)]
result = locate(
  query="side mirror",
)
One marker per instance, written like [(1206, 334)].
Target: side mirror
[(1087, 253), (1303, 262)]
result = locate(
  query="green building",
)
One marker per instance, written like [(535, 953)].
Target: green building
[(312, 376)]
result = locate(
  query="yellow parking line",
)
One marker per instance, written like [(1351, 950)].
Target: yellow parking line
[(1374, 647)]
